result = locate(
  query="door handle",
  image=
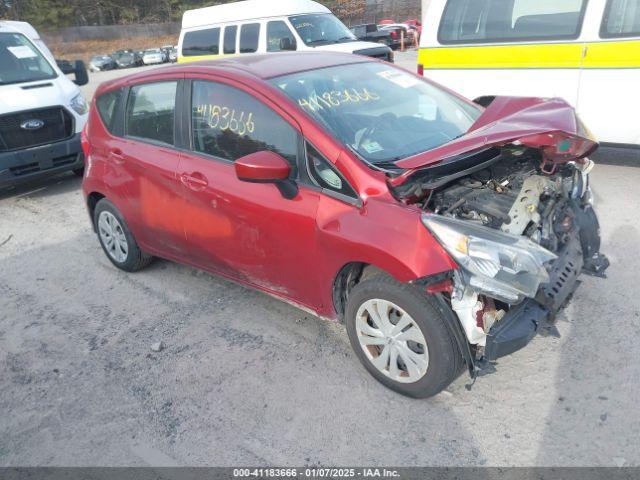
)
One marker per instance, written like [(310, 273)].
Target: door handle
[(195, 181), (585, 50), (117, 156)]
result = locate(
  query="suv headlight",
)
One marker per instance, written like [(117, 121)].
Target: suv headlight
[(79, 104), (504, 266)]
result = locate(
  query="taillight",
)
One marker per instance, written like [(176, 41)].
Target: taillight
[(421, 70), (84, 140), (394, 34)]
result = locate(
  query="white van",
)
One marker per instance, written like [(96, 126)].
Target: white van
[(260, 26), (585, 51), (42, 112)]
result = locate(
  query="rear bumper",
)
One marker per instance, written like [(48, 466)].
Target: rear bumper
[(32, 163)]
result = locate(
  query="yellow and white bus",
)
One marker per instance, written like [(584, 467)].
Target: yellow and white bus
[(585, 51), (261, 26)]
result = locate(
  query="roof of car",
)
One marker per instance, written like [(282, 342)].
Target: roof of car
[(247, 10), (259, 66)]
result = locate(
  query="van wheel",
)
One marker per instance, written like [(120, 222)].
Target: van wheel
[(401, 338), (117, 240)]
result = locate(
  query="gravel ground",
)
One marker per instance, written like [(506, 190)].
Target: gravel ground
[(245, 379)]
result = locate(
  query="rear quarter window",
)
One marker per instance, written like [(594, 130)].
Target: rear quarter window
[(107, 105), (497, 21), (201, 42)]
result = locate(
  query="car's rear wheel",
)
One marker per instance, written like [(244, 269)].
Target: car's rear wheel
[(401, 338), (116, 239)]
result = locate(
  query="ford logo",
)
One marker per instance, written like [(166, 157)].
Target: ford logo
[(33, 124)]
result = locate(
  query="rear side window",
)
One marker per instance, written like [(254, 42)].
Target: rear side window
[(151, 112), (486, 21), (249, 36), (201, 42), (230, 34), (279, 37), (107, 105), (228, 123), (621, 19)]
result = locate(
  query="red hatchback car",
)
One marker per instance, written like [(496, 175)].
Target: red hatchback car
[(442, 233)]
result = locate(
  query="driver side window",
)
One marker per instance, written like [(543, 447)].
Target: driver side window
[(325, 175)]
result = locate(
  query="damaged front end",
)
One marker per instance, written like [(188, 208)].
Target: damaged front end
[(515, 212)]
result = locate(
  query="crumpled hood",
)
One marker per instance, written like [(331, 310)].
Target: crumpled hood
[(548, 124)]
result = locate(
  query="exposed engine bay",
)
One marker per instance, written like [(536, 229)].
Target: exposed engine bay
[(515, 196), (546, 235)]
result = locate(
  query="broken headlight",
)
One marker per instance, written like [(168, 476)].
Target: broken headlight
[(503, 266)]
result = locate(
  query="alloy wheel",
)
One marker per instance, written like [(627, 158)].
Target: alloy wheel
[(113, 237)]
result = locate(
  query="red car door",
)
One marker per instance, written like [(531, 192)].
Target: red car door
[(144, 165), (247, 231)]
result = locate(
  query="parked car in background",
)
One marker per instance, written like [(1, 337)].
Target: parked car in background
[(153, 56), (443, 234), (102, 62), (370, 33), (414, 23), (587, 52), (166, 50), (409, 32), (173, 54), (258, 26), (127, 59), (42, 111)]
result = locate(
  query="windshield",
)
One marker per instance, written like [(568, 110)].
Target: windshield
[(321, 29), (21, 62), (383, 113)]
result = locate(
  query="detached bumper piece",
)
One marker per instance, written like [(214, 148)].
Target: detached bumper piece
[(515, 330)]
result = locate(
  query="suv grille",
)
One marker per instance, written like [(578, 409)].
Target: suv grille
[(57, 124)]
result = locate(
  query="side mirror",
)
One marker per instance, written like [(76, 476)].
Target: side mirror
[(80, 72), (76, 68), (287, 44), (267, 167)]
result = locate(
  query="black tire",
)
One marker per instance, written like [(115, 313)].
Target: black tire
[(135, 259), (445, 359)]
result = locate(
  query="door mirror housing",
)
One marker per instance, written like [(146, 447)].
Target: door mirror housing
[(267, 167), (77, 68)]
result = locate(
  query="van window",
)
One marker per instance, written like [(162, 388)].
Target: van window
[(228, 123), (107, 105), (486, 21), (230, 34), (249, 36), (151, 111), (621, 19), (279, 37), (201, 42)]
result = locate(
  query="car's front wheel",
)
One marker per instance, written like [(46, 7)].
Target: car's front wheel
[(116, 239), (401, 338)]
